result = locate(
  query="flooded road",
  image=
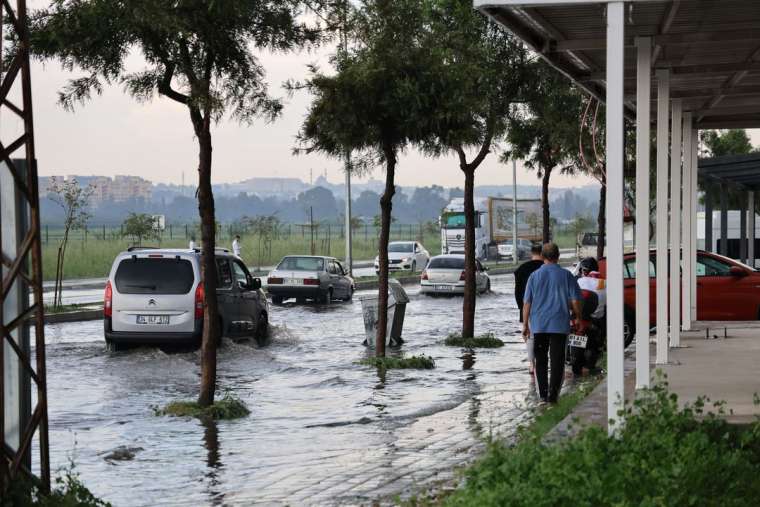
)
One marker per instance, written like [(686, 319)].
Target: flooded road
[(318, 420)]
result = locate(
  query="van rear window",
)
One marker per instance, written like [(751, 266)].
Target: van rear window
[(154, 276)]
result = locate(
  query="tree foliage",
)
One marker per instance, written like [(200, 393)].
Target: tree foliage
[(199, 53), (139, 227), (719, 143)]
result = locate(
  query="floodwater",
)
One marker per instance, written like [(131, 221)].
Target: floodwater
[(315, 413)]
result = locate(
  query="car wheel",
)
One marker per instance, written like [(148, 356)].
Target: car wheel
[(629, 326), (113, 346), (326, 298), (350, 295), (262, 327), (414, 266), (277, 300), (488, 286)]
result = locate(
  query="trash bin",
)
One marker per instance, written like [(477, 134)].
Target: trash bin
[(397, 300)]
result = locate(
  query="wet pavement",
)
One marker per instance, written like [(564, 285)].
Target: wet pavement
[(322, 430)]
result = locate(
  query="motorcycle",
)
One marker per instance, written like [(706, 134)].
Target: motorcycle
[(589, 337)]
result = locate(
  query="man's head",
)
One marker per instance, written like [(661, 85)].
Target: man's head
[(237, 236), (535, 253), (550, 252)]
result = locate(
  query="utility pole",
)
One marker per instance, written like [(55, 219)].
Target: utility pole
[(311, 227), (514, 211), (349, 231)]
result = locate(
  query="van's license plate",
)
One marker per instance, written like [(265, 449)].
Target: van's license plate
[(578, 341), (153, 319), (443, 287)]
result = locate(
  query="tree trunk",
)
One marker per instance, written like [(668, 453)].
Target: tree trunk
[(468, 305), (211, 328), (602, 220), (386, 204), (545, 234)]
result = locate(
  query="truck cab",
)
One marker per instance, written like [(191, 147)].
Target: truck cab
[(453, 227)]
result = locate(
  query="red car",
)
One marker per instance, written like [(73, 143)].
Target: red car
[(726, 289)]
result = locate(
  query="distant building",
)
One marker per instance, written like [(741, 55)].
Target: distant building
[(117, 189)]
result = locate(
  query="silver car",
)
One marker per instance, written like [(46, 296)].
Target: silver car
[(155, 297), (405, 256), (321, 279), (505, 249), (445, 275)]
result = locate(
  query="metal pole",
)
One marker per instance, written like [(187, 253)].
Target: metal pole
[(349, 231), (742, 226), (723, 220), (614, 211), (643, 92), (694, 200), (514, 211), (675, 225), (686, 231), (751, 228), (708, 220), (663, 114)]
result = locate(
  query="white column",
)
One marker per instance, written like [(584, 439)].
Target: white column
[(663, 119), (751, 228), (694, 201), (687, 220), (643, 92), (614, 211), (675, 225)]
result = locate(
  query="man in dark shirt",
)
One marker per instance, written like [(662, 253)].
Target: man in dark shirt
[(521, 281)]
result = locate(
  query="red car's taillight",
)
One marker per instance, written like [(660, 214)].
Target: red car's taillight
[(108, 300), (199, 297), (424, 275), (273, 280), (311, 281), (461, 277)]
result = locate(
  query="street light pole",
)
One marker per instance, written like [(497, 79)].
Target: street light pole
[(349, 256), (514, 211)]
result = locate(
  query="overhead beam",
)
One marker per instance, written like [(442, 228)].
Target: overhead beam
[(751, 107), (674, 39), (678, 71), (732, 82), (667, 22)]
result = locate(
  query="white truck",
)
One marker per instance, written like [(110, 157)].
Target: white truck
[(493, 224)]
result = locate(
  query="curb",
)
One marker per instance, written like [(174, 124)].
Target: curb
[(79, 316)]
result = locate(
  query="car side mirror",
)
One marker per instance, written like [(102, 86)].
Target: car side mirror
[(737, 272), (255, 283)]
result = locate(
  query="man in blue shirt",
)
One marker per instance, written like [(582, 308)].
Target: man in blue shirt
[(552, 293)]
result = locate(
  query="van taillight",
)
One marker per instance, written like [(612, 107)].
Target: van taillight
[(461, 277), (108, 300), (273, 280), (424, 275), (199, 296), (311, 281)]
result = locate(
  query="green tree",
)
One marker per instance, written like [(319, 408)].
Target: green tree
[(718, 143), (377, 104), (139, 226), (201, 54), (74, 200), (484, 70), (546, 131)]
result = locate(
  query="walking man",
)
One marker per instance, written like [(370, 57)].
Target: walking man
[(236, 245), (521, 281), (551, 295)]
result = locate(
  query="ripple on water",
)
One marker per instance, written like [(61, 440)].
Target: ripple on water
[(313, 407)]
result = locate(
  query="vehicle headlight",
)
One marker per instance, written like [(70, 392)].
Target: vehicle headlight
[(405, 259)]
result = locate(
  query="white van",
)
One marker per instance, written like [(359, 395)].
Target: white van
[(155, 297)]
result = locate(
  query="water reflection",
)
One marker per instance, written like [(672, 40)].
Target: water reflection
[(213, 461), (468, 359)]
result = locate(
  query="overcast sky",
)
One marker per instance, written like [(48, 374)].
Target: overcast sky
[(113, 134)]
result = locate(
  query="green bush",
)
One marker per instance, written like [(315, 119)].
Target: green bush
[(392, 363), (68, 491), (663, 455), (229, 407), (486, 341)]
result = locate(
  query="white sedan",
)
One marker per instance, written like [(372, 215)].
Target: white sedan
[(405, 256), (445, 275)]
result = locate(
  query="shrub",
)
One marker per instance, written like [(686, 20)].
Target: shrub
[(663, 455), (486, 341), (229, 407), (392, 363), (67, 491)]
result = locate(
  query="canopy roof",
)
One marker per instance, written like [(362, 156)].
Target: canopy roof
[(712, 49), (741, 170)]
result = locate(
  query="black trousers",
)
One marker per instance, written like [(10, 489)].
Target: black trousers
[(547, 345)]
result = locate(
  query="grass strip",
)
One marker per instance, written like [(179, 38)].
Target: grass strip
[(229, 407), (396, 363), (486, 341), (663, 454)]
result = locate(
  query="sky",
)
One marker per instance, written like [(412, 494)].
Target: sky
[(113, 134)]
